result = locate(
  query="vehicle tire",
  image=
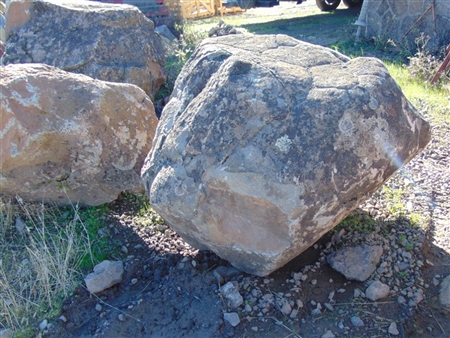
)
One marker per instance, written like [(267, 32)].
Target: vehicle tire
[(352, 3), (327, 5)]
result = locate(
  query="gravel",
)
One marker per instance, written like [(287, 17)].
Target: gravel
[(166, 278)]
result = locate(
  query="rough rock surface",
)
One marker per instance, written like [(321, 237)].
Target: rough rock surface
[(68, 137), (269, 142), (356, 263), (105, 275), (104, 41)]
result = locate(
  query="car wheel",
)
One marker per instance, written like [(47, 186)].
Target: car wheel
[(352, 3), (327, 5)]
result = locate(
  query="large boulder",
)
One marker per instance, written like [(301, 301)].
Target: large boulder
[(104, 41), (269, 142), (67, 137)]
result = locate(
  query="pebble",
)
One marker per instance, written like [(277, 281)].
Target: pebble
[(316, 312), (293, 314), (286, 309), (232, 318), (134, 281), (393, 329), (328, 334), (377, 290), (98, 307), (297, 275), (121, 317), (314, 281), (43, 325), (231, 293), (356, 321), (254, 328)]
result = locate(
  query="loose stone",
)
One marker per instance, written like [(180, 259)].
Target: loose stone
[(232, 318), (393, 329), (356, 321), (377, 290), (328, 334)]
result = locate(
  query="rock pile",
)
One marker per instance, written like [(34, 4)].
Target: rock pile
[(269, 142)]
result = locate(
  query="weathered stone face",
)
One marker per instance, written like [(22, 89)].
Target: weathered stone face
[(68, 137), (269, 142), (104, 41)]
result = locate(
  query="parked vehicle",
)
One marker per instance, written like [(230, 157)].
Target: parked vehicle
[(330, 5)]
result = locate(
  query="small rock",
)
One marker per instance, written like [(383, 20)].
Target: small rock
[(286, 309), (222, 273), (377, 290), (401, 300), (231, 293), (124, 249), (393, 329), (328, 334), (254, 328), (98, 307), (105, 275), (43, 325), (356, 321), (63, 319), (356, 263), (297, 276), (314, 281), (331, 296), (356, 293), (21, 227), (293, 314), (134, 281), (418, 296), (121, 317), (232, 318), (316, 312), (299, 303), (444, 292)]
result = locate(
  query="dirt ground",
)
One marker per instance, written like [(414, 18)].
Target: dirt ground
[(170, 289)]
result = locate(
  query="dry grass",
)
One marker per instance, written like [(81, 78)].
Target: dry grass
[(41, 250)]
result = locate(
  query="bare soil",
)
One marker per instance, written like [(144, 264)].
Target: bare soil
[(170, 289)]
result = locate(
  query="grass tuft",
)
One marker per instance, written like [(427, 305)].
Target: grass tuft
[(45, 251)]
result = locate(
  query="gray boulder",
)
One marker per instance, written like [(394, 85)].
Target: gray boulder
[(356, 263), (104, 41), (269, 142)]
